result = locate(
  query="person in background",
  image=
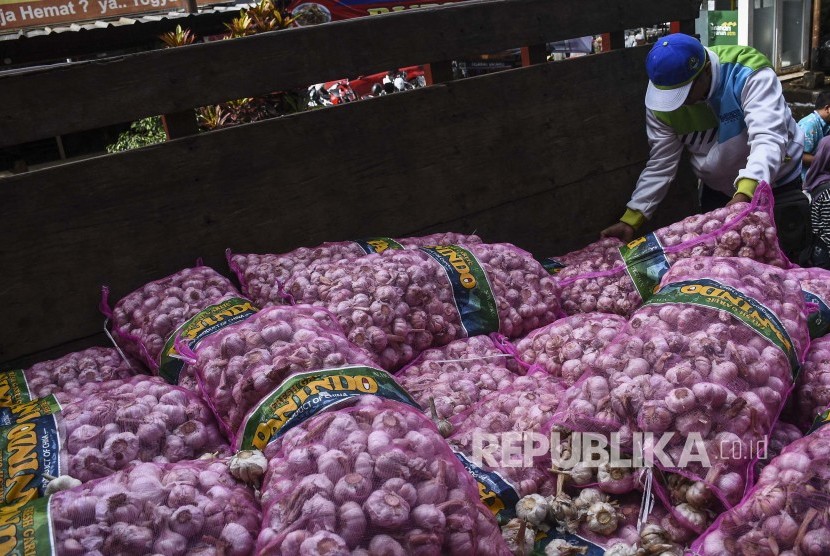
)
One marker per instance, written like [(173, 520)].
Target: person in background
[(815, 126), (725, 106), (817, 183)]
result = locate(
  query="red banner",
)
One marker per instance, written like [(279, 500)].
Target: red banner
[(323, 11)]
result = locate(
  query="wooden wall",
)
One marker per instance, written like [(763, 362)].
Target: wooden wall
[(542, 156)]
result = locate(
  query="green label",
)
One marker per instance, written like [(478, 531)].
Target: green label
[(552, 265), (818, 323), (709, 293), (646, 263), (209, 321), (377, 244), (26, 530), (723, 27), (821, 419), (473, 296), (30, 450), (495, 492), (13, 388), (29, 410), (306, 394)]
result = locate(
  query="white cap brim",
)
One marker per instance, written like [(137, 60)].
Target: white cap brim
[(666, 100)]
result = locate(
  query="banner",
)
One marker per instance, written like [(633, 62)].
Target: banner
[(323, 11), (45, 13)]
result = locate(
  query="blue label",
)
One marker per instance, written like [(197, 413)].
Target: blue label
[(474, 299), (552, 265), (31, 450), (646, 263), (818, 323), (495, 492), (377, 244)]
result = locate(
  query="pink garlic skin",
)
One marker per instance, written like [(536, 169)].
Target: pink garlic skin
[(69, 373), (108, 425), (585, 336), (734, 231), (697, 351), (399, 481), (242, 364), (262, 275), (127, 513), (459, 375), (144, 319), (409, 301), (785, 499)]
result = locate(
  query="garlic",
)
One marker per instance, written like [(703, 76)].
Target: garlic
[(561, 547), (248, 465), (602, 518), (209, 455), (57, 484), (444, 426), (695, 517), (518, 536), (621, 549), (588, 496), (533, 509), (561, 507), (653, 536)]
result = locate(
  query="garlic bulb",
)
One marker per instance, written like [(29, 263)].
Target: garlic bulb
[(248, 465), (57, 484), (653, 536), (518, 536), (588, 496), (561, 547), (533, 508), (621, 549), (561, 508), (602, 518)]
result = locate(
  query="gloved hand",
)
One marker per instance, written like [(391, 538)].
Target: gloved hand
[(738, 198), (620, 230)]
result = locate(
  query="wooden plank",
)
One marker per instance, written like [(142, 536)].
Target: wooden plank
[(95, 94), (392, 165)]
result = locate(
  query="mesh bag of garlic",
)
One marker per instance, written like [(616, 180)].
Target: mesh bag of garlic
[(373, 478), (65, 374), (192, 507), (568, 347), (450, 380), (785, 512), (613, 278), (262, 276), (146, 322), (503, 416), (812, 390), (400, 302), (100, 429), (815, 283), (250, 372), (704, 368)]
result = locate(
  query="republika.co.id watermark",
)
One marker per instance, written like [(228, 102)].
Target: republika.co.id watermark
[(641, 449)]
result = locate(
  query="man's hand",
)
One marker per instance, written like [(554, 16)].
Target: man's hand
[(619, 230), (738, 198)]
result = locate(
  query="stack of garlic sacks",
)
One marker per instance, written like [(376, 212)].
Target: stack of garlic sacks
[(336, 401)]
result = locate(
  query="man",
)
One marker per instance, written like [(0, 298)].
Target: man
[(725, 106), (815, 126), (818, 184)]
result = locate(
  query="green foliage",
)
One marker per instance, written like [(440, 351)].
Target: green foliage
[(148, 131)]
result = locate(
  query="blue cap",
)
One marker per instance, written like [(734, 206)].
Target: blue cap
[(672, 66)]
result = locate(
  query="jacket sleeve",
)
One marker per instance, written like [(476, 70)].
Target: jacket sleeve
[(767, 122), (661, 168)]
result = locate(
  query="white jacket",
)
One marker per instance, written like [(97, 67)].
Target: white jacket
[(744, 130)]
